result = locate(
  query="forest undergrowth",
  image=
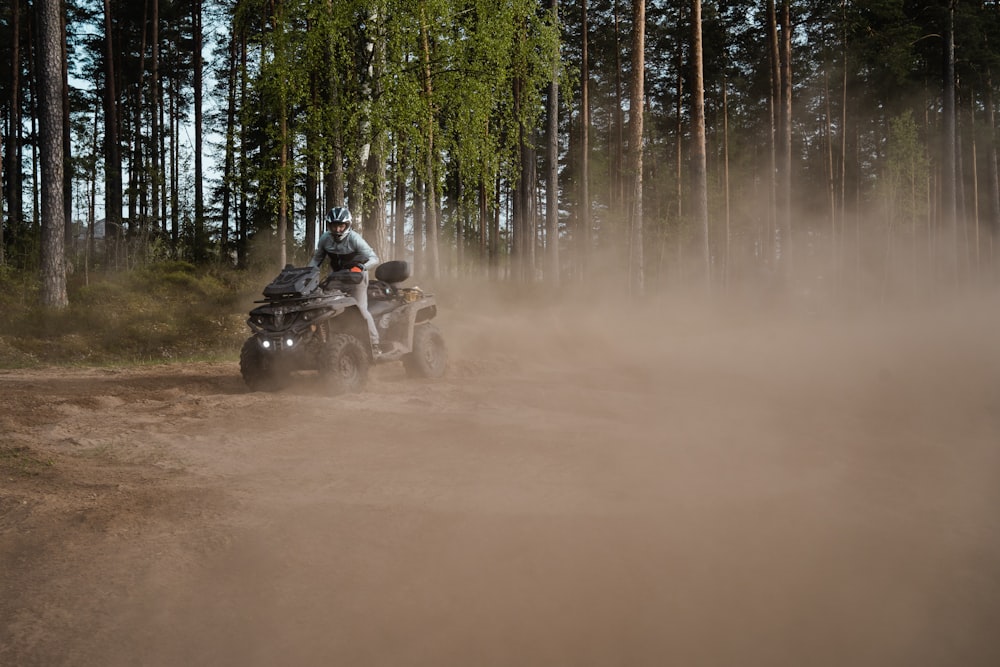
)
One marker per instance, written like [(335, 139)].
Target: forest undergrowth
[(167, 311)]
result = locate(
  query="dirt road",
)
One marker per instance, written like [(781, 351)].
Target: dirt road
[(583, 488)]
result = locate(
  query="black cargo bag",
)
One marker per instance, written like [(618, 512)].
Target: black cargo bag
[(292, 282)]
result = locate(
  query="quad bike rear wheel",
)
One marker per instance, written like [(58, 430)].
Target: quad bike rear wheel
[(429, 357), (258, 372), (343, 364)]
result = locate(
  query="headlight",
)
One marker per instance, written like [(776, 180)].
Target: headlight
[(289, 342), (266, 344)]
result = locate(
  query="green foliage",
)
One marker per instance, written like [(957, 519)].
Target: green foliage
[(353, 73), (907, 169), (905, 153)]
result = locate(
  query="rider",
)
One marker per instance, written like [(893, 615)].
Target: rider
[(348, 251)]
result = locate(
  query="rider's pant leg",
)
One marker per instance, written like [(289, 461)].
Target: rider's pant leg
[(361, 296)]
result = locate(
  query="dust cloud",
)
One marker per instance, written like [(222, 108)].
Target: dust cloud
[(674, 480)]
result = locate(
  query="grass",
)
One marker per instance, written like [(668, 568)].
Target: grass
[(21, 461), (167, 311)]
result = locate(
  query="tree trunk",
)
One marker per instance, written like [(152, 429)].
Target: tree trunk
[(230, 154), (200, 235), (112, 154), (92, 203), (280, 58), (137, 167), (774, 105), (523, 241), (529, 205), (33, 137), (637, 96), (992, 160), (418, 222), (679, 131), (699, 171), (375, 228), (13, 156), (460, 215), (974, 180), (3, 254), (584, 241), (333, 155), (962, 219), (840, 225), (335, 173), (433, 264), (136, 172), (493, 243), (283, 191), (617, 139), (831, 199), (312, 162), (156, 117), (727, 255), (950, 186), (241, 216), (50, 107), (164, 126), (786, 134), (552, 269), (173, 187), (67, 140), (552, 182), (399, 230), (484, 217)]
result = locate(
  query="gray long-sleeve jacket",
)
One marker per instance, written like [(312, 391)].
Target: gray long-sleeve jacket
[(343, 254)]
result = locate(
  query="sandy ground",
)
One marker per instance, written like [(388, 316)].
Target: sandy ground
[(672, 486)]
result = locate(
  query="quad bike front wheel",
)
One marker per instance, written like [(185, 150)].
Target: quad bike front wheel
[(343, 364), (429, 357), (258, 371)]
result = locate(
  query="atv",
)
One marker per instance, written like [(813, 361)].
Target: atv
[(305, 324)]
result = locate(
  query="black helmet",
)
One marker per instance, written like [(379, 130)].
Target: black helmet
[(338, 215)]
